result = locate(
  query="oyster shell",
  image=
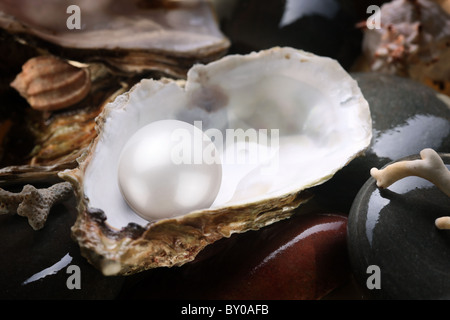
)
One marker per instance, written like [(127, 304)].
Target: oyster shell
[(323, 121), (164, 37)]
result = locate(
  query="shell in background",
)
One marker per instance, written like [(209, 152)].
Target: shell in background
[(49, 83), (164, 37), (413, 41), (35, 145)]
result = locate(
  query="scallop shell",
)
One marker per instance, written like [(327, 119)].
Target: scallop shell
[(49, 83), (35, 145), (323, 120)]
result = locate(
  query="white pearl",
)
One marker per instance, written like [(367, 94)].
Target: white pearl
[(169, 168)]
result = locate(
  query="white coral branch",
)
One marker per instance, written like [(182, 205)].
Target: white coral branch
[(431, 167)]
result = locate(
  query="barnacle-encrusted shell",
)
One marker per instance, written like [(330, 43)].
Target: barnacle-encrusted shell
[(323, 120), (413, 41), (49, 83)]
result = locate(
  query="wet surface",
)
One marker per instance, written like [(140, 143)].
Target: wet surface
[(304, 257), (324, 27), (407, 117), (40, 264), (393, 229)]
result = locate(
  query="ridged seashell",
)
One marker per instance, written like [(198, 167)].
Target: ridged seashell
[(49, 83)]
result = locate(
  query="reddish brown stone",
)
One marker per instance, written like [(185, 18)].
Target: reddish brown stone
[(304, 257)]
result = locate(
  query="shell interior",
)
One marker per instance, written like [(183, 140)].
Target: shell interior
[(313, 112)]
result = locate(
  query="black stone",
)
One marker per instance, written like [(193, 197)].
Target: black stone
[(394, 230), (35, 264), (407, 117), (324, 27)]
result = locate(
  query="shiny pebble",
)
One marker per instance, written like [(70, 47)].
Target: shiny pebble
[(407, 117), (304, 257), (394, 231), (169, 168), (323, 27)]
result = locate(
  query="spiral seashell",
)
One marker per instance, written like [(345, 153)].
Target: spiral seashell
[(49, 83)]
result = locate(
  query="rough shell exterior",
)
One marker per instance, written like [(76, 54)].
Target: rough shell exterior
[(169, 242)]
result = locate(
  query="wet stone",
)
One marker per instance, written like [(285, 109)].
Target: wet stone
[(395, 249), (304, 257), (323, 27), (47, 263), (407, 117)]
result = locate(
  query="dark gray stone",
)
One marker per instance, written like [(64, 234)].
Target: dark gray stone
[(323, 27), (394, 230), (407, 117)]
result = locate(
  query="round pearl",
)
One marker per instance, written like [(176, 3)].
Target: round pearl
[(169, 168)]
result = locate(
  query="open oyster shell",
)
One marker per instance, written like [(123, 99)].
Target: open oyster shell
[(323, 121)]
